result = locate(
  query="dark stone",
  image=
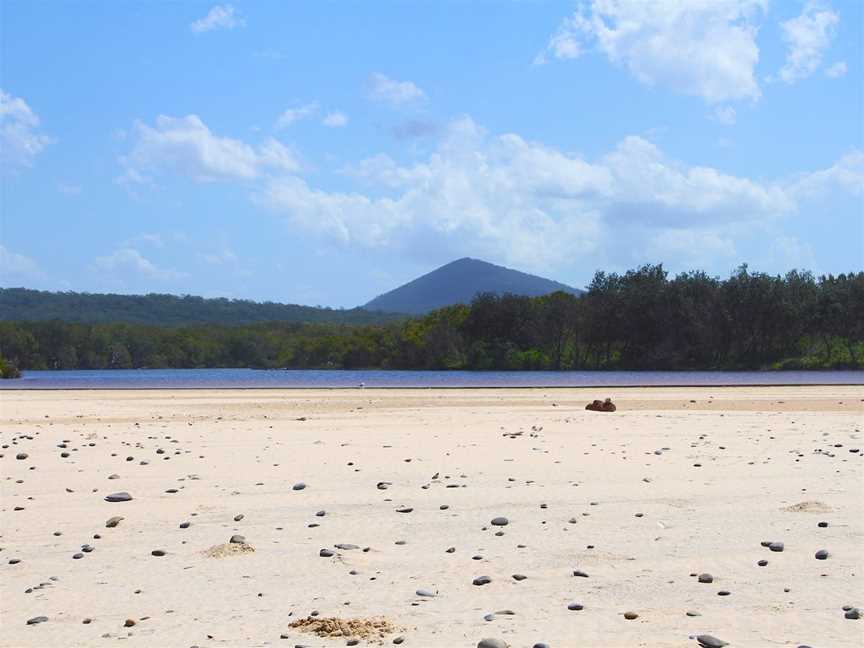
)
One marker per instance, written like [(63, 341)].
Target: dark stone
[(482, 580), (707, 641), (157, 552), (113, 521), (575, 606), (776, 546), (298, 486), (500, 521), (237, 539), (822, 554), (118, 497), (38, 619), (705, 578)]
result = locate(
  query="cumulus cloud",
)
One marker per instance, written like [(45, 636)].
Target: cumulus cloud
[(295, 114), (807, 37), (705, 48), (509, 197), (186, 146), (20, 139), (335, 119), (395, 93), (523, 202), (219, 17), (128, 260)]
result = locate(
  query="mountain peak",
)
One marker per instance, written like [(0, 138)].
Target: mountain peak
[(459, 282)]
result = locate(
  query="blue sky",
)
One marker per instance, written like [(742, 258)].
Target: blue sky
[(324, 152)]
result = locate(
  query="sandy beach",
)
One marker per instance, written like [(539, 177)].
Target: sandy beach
[(378, 504)]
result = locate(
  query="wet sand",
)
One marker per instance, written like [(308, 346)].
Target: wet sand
[(677, 482)]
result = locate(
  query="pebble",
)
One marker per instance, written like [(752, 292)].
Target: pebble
[(326, 553), (630, 616), (575, 606), (705, 578), (482, 580), (500, 521), (128, 623), (580, 573), (776, 546), (118, 497), (298, 486), (21, 456), (424, 592), (492, 643), (114, 521), (707, 641), (822, 554), (852, 614), (157, 552), (519, 577), (37, 619)]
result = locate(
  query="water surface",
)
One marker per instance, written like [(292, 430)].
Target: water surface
[(301, 378)]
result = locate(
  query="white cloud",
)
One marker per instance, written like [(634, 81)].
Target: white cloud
[(705, 48), (508, 198), (846, 175), (292, 115), (16, 269), (807, 37), (395, 93), (20, 140), (335, 119), (186, 146), (219, 17), (725, 115), (837, 70), (129, 260)]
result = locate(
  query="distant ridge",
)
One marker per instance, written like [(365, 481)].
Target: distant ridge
[(458, 282), (23, 304)]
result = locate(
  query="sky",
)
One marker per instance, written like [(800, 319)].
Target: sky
[(323, 153)]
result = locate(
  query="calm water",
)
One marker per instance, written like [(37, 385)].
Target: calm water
[(257, 378)]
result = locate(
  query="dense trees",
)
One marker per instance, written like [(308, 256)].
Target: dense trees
[(641, 319), (166, 310)]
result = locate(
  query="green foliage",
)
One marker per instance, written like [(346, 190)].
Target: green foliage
[(8, 370), (638, 320), (21, 304)]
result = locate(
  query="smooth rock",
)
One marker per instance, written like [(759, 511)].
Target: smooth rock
[(122, 496)]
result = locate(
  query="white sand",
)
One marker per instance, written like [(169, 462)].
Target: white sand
[(758, 453)]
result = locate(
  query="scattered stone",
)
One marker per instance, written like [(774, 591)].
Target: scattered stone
[(21, 456), (519, 577), (118, 497), (114, 521), (575, 606), (705, 578), (492, 643), (482, 580), (425, 593), (298, 486), (630, 616), (580, 573), (500, 521), (237, 539), (157, 552), (707, 641), (822, 554), (128, 623), (326, 553), (776, 546), (37, 619)]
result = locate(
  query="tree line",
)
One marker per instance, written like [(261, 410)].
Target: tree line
[(641, 319)]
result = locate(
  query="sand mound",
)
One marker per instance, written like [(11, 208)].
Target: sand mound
[(808, 507), (368, 628), (228, 549)]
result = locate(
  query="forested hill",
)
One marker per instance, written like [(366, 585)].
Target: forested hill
[(460, 281), (639, 320), (21, 304)]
